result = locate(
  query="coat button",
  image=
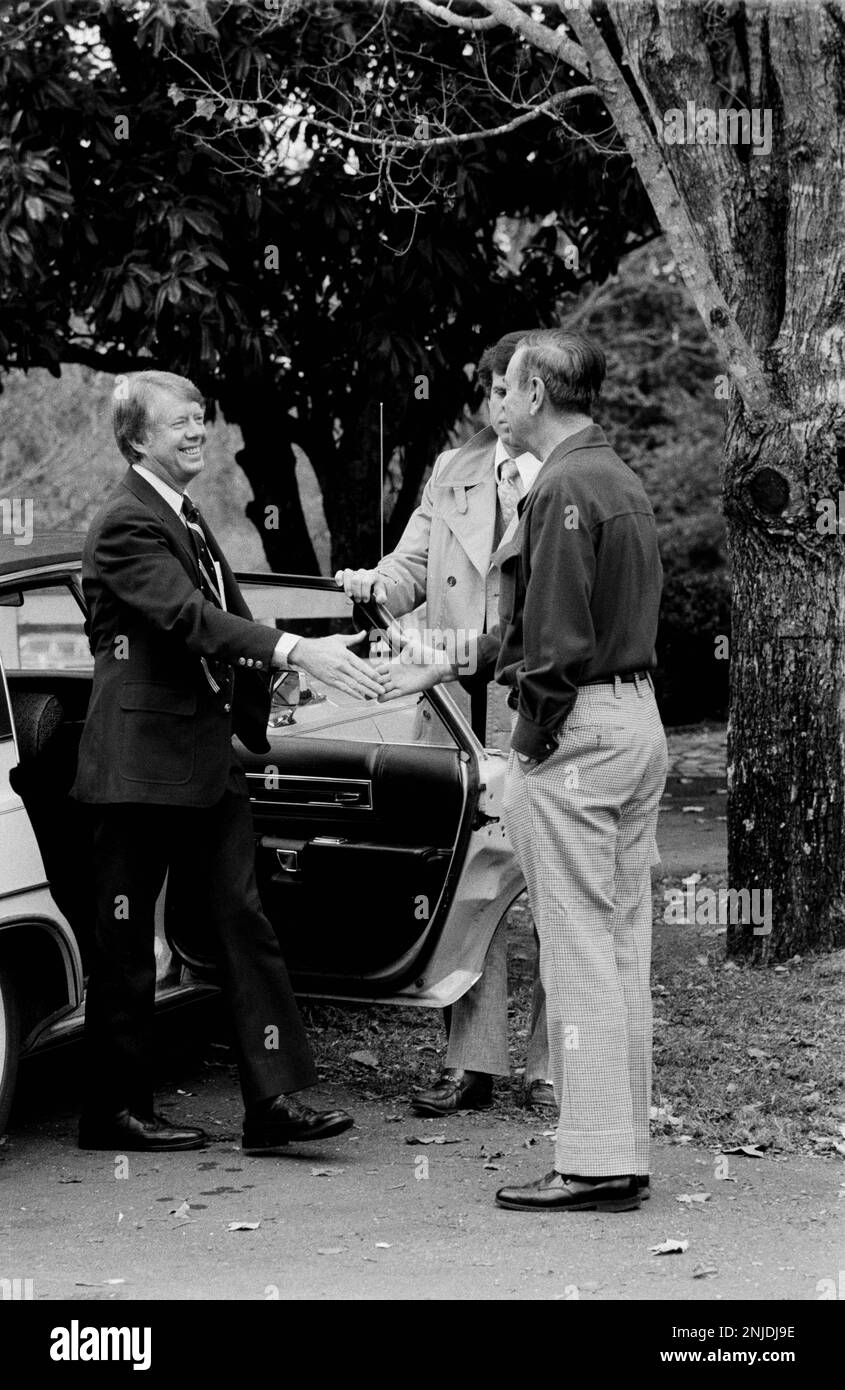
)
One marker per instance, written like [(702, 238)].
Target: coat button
[(451, 581), (227, 707), (241, 661), (259, 664)]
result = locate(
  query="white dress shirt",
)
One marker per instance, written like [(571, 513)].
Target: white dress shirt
[(173, 498), (527, 468)]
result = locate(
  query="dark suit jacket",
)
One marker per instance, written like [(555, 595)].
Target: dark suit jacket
[(580, 593), (156, 732)]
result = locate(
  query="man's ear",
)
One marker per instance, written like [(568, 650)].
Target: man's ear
[(538, 395)]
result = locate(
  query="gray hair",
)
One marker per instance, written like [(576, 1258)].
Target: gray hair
[(131, 401), (571, 368)]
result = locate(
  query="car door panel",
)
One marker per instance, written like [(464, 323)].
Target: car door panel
[(354, 844)]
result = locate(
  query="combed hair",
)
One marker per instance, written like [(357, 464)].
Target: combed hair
[(571, 368), (131, 401), (494, 360)]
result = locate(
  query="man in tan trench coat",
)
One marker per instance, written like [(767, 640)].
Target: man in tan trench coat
[(446, 559)]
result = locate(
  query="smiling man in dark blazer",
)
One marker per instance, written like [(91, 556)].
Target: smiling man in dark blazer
[(179, 666)]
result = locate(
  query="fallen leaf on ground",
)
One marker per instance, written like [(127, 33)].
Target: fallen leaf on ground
[(70, 1180), (184, 1209), (364, 1059), (750, 1151), (492, 1167), (382, 1245), (670, 1247), (327, 1172), (243, 1225), (690, 1197), (331, 1250), (757, 1052), (702, 1271)]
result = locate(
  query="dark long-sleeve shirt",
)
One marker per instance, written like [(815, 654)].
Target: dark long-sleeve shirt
[(580, 589)]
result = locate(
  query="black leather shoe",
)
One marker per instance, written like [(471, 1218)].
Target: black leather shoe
[(270, 1124), (456, 1090), (565, 1192), (125, 1133)]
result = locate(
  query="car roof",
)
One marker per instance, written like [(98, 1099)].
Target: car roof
[(45, 548)]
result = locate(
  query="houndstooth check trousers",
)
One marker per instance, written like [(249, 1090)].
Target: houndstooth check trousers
[(582, 825)]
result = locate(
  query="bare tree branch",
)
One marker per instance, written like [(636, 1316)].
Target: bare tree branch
[(551, 41), (459, 21)]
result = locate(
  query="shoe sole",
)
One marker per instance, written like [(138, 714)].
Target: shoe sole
[(431, 1112), (623, 1204), (117, 1147), (281, 1141)]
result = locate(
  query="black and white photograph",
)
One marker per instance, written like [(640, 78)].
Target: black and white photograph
[(422, 672)]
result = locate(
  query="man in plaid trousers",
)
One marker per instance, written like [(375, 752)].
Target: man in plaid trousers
[(580, 593)]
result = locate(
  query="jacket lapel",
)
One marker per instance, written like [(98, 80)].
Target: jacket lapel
[(140, 488), (468, 476)]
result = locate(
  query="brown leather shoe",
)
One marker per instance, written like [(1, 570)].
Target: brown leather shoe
[(568, 1192), (456, 1090)]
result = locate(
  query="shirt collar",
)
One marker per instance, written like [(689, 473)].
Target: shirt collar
[(170, 495), (528, 465)]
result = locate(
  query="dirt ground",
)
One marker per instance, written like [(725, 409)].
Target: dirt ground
[(403, 1207)]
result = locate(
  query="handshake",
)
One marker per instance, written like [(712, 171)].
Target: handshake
[(400, 661), (397, 666)]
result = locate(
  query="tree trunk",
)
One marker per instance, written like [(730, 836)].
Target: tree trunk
[(758, 239), (269, 463), (352, 491), (786, 732)]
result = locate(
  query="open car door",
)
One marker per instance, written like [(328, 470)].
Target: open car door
[(381, 856)]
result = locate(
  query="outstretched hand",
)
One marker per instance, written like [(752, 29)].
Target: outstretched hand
[(406, 678), (329, 659)]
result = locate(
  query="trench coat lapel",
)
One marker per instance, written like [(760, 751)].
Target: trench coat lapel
[(467, 497)]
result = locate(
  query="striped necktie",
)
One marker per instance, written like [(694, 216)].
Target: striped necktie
[(208, 580)]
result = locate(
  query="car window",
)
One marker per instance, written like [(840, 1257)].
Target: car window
[(43, 629), (306, 708)]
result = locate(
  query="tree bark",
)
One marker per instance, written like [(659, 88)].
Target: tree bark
[(767, 233), (269, 463)]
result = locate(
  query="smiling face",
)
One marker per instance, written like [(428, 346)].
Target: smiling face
[(172, 448)]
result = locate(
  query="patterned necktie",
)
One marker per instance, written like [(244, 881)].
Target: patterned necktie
[(509, 490), (208, 580)]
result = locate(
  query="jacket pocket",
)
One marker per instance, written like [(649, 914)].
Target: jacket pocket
[(158, 734), (157, 699)]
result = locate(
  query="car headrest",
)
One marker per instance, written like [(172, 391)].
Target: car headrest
[(37, 719)]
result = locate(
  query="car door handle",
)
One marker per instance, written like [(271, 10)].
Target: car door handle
[(347, 798)]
